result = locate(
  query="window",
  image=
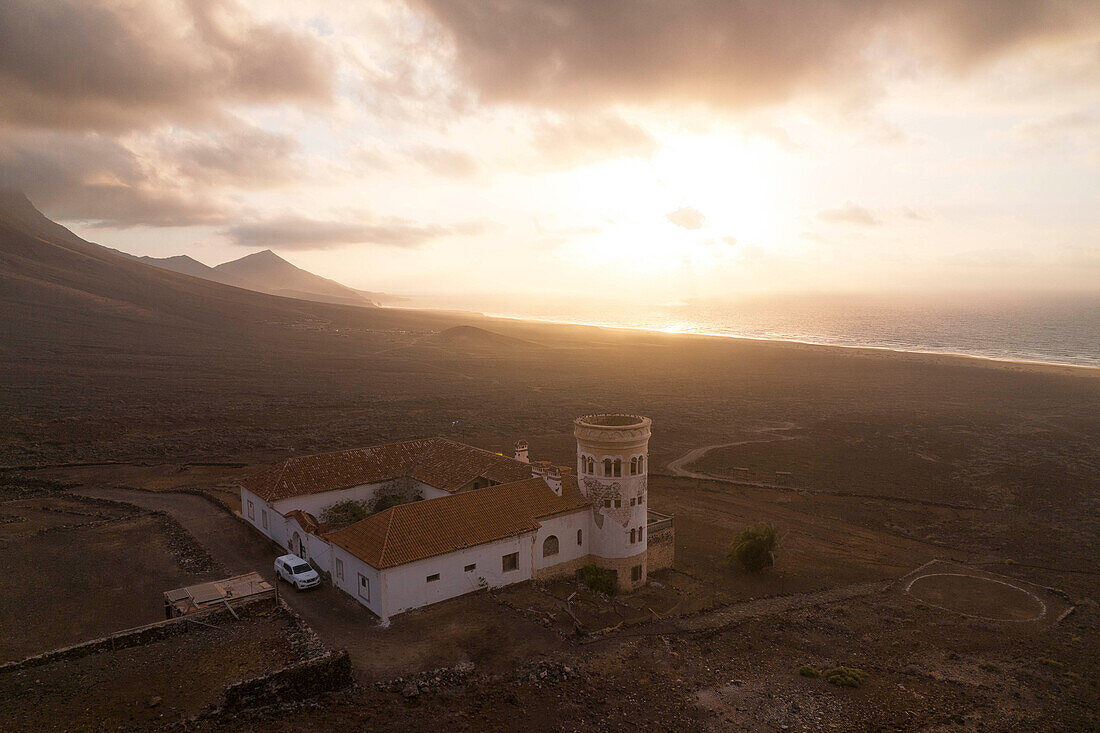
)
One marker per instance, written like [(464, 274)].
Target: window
[(618, 503), (432, 578), (618, 466), (641, 464), (607, 467), (639, 534), (364, 587), (580, 536), (632, 540), (339, 568), (263, 516), (607, 503), (641, 499), (632, 501), (470, 568), (591, 466), (636, 573), (509, 562), (251, 510), (550, 546), (633, 466)]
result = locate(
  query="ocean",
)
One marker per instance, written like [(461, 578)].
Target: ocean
[(1051, 328)]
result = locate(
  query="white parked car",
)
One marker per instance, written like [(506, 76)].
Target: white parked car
[(294, 569)]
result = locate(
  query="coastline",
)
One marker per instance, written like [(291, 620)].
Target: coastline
[(932, 355)]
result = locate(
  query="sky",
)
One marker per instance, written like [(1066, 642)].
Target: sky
[(627, 149)]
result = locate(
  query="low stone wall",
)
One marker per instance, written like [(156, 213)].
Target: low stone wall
[(300, 681), (662, 549), (138, 636)]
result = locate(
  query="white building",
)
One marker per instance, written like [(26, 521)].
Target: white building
[(470, 518)]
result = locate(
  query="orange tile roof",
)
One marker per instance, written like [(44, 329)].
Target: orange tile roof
[(432, 527), (438, 462), (306, 521)]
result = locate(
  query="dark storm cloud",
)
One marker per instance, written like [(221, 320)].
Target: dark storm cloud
[(727, 53), (96, 179), (92, 65), (849, 213), (304, 233)]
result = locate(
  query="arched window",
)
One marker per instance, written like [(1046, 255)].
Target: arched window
[(580, 536), (618, 466), (641, 464), (583, 463), (632, 532), (550, 546), (607, 467), (633, 466), (591, 466)]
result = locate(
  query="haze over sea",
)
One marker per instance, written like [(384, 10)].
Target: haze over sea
[(1054, 328)]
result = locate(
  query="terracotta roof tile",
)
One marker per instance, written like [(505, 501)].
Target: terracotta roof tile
[(423, 529), (438, 462)]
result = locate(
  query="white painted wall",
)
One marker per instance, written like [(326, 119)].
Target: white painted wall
[(405, 587), (564, 527), (349, 583), (316, 504)]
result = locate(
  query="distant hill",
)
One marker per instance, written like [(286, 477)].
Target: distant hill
[(270, 273), (472, 338), (18, 212), (190, 266)]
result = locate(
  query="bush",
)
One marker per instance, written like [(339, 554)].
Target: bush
[(343, 513), (844, 676), (755, 547), (807, 671), (598, 579), (386, 501)]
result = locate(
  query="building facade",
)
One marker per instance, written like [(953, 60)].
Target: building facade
[(460, 519)]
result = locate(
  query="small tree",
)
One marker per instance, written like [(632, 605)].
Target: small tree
[(755, 547), (343, 513), (598, 579)]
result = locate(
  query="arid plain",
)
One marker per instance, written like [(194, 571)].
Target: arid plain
[(121, 381)]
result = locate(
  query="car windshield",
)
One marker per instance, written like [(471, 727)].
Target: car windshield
[(299, 569)]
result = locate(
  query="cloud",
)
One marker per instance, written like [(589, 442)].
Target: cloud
[(1059, 125), (849, 213), (294, 232), (99, 180), (729, 53), (687, 217), (247, 157), (445, 162), (75, 64), (581, 139)]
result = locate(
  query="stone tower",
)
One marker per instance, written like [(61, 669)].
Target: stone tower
[(612, 463)]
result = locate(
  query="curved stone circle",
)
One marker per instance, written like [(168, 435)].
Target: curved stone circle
[(1042, 605)]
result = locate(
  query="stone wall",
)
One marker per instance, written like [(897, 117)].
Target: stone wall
[(300, 681), (662, 549), (568, 568), (622, 566)]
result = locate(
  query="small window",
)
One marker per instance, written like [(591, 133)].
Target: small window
[(591, 466), (636, 573), (618, 503), (618, 467), (633, 466), (339, 568), (251, 510), (632, 540), (641, 499), (580, 536), (632, 501), (550, 546), (509, 562), (607, 503), (641, 464), (432, 578), (607, 467), (364, 587), (263, 516), (470, 568), (639, 534)]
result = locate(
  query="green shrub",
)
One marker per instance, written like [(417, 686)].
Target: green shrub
[(807, 671), (755, 547), (386, 501), (343, 513), (598, 579), (844, 676)]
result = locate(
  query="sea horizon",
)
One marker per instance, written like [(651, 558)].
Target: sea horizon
[(1059, 330)]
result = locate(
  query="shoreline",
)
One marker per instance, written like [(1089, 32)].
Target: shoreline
[(992, 360)]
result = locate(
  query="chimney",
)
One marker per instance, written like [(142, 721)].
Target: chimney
[(521, 451)]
